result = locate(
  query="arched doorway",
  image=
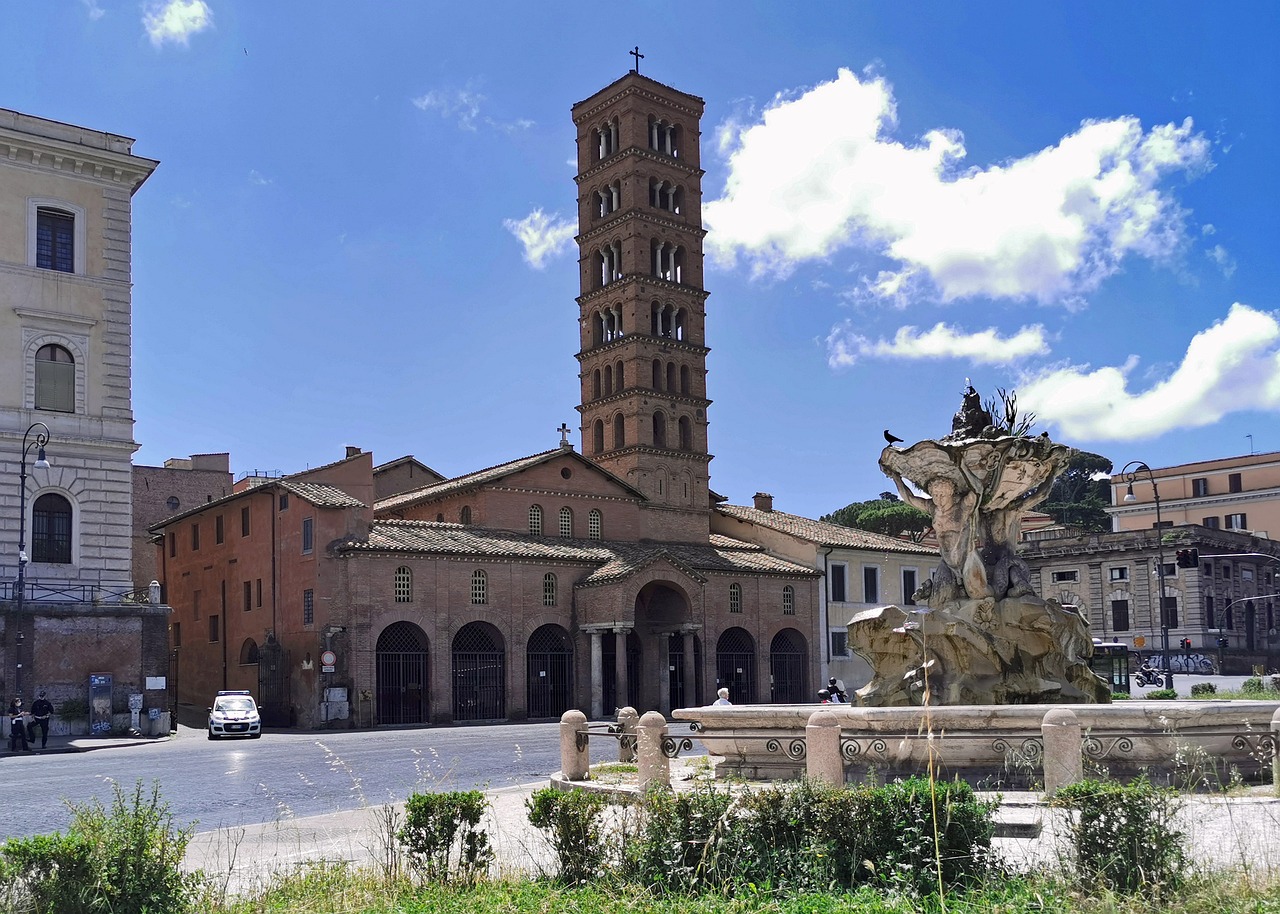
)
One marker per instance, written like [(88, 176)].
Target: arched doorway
[(550, 670), (787, 667), (479, 673), (736, 665), (400, 661)]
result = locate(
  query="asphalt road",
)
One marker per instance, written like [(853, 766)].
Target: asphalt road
[(215, 784)]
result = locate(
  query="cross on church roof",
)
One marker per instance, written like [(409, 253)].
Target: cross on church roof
[(638, 56), (564, 435)]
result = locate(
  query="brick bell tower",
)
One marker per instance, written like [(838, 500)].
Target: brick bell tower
[(643, 357)]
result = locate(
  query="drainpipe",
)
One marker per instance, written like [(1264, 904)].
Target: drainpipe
[(823, 623)]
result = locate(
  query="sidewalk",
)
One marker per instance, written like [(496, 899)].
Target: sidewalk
[(60, 744)]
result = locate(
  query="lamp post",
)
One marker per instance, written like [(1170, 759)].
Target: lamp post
[(38, 442), (1132, 469)]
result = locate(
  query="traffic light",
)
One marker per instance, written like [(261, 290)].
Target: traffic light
[(1222, 642), (1188, 558), (1186, 644)]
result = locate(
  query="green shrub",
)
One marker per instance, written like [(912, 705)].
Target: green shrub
[(125, 858), (571, 822), (1123, 835), (673, 848), (1120, 696), (1253, 685), (442, 837), (1162, 694), (1203, 688), (73, 709)]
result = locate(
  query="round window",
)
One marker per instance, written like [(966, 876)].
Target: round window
[(172, 503), (566, 472)]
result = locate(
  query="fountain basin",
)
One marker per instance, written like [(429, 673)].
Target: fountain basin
[(979, 743)]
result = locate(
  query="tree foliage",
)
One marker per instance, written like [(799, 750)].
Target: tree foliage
[(1080, 496), (887, 514)]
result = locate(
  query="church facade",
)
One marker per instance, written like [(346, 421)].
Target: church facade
[(358, 594)]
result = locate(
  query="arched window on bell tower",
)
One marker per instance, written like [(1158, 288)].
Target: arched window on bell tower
[(659, 430), (686, 434), (619, 432), (595, 384), (671, 376), (597, 437), (664, 137), (606, 139), (684, 379), (618, 378), (666, 260), (608, 380), (657, 374)]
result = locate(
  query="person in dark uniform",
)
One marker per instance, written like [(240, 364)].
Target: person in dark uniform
[(41, 711), (17, 727)]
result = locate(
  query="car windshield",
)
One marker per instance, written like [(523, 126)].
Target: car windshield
[(234, 704)]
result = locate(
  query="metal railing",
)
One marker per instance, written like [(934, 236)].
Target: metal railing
[(57, 591)]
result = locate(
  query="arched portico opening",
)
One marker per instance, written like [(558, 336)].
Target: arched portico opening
[(736, 665), (787, 668), (400, 663), (479, 673), (549, 662)]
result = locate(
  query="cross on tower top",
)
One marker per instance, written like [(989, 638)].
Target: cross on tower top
[(638, 56), (564, 435)]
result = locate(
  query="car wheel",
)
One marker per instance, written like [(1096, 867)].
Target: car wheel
[(255, 735), (211, 736)]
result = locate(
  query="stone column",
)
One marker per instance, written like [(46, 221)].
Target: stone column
[(1275, 756), (823, 761), (597, 676), (575, 753), (628, 721), (664, 672), (655, 768), (691, 697), (1063, 761)]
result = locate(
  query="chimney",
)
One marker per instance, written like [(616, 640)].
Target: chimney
[(352, 451), (764, 501)]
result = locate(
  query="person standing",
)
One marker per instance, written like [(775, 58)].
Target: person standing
[(17, 727), (41, 711)]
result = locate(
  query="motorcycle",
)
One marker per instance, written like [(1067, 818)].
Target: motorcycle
[(1149, 677)]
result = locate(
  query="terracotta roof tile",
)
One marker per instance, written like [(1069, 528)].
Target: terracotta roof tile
[(821, 532)]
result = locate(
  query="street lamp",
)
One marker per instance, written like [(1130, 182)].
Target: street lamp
[(1132, 469), (19, 586)]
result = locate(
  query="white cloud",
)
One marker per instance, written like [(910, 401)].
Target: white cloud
[(1226, 263), (986, 347), (256, 177), (1232, 366), (91, 7), (176, 20), (542, 236), (818, 173), (462, 104)]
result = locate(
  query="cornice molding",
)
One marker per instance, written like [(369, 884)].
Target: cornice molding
[(618, 285), (71, 160), (640, 339), (638, 214)]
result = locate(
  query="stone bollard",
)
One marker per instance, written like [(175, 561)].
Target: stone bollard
[(1063, 757), (627, 721), (655, 767), (1275, 752), (823, 761), (575, 756)]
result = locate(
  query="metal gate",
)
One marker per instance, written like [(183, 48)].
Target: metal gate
[(274, 702), (683, 695), (609, 656), (736, 665), (787, 668), (550, 671), (479, 673), (401, 661), (172, 692)]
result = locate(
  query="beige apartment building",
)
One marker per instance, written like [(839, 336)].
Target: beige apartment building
[(1228, 493)]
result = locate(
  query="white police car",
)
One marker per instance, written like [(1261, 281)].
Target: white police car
[(234, 713)]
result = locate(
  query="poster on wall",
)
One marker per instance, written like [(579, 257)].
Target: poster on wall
[(100, 704)]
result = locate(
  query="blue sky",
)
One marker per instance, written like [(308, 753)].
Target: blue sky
[(359, 231)]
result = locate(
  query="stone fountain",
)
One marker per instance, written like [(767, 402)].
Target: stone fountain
[(966, 680)]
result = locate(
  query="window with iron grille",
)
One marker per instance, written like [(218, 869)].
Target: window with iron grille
[(404, 585), (1170, 619), (55, 379), (308, 534), (244, 521), (308, 607), (837, 575), (248, 596), (1119, 615), (566, 522), (535, 520), (464, 516), (735, 598), (284, 501), (839, 644), (479, 587), (259, 589), (788, 600), (195, 537), (218, 529), (870, 584), (214, 630), (55, 240), (594, 523), (51, 530), (1065, 577), (548, 589)]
